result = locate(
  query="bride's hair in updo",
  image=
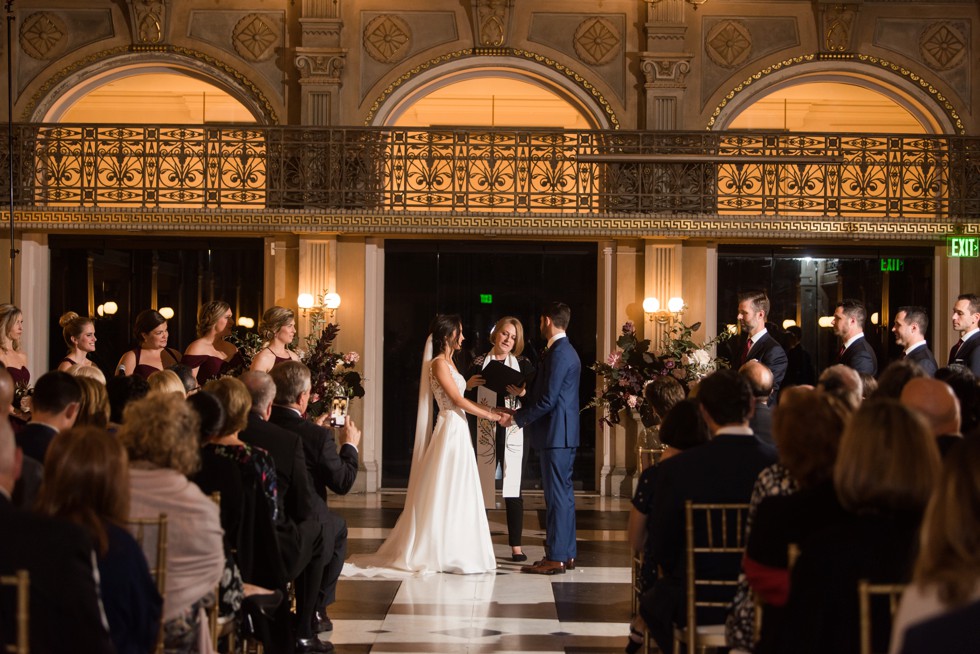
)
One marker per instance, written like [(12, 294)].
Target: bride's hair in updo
[(445, 327)]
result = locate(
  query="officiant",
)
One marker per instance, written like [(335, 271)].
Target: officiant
[(499, 379)]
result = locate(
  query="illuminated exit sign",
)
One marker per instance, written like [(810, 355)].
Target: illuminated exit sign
[(486, 298), (892, 265), (963, 246)]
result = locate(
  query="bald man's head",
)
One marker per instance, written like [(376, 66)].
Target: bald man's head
[(759, 377), (10, 456), (6, 393), (936, 401), (843, 383)]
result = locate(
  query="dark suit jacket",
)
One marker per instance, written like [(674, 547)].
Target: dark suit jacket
[(924, 358), (29, 485), (969, 354), (761, 423), (34, 439), (327, 467), (551, 407), (768, 351), (65, 611), (861, 357), (953, 632)]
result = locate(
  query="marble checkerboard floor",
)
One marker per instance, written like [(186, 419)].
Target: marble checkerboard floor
[(584, 610)]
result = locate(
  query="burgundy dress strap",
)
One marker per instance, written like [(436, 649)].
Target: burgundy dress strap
[(142, 369)]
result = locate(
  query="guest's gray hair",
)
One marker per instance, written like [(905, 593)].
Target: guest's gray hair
[(291, 378), (261, 387)]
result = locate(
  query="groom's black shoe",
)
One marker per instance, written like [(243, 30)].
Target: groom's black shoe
[(304, 645), (321, 622), (545, 567)]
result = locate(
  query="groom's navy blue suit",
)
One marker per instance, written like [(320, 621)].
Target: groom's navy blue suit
[(551, 417)]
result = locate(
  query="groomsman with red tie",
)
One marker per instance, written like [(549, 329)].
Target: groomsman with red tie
[(966, 320), (753, 309), (855, 351)]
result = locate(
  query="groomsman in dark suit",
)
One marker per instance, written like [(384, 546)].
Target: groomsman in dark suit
[(753, 309), (910, 327), (966, 320), (855, 352), (551, 416)]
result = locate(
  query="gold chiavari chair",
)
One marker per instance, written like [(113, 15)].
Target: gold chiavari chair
[(21, 581), (217, 627), (156, 562), (867, 591)]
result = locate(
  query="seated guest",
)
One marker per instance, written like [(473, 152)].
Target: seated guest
[(843, 383), (760, 381), (65, 612), (947, 572), (869, 385), (886, 469), (211, 356), (682, 429), (807, 426), (160, 434), (54, 408), (659, 397), (937, 403), (186, 378), (723, 470), (86, 481), (166, 381), (151, 352), (122, 391), (277, 329), (896, 376), (79, 333), (93, 410), (92, 372), (27, 486), (953, 632), (967, 389)]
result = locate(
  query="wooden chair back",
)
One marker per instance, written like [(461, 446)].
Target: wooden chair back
[(21, 582), (156, 558), (866, 592)]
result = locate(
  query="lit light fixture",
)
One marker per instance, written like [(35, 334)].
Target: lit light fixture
[(110, 308), (874, 318), (331, 301), (675, 305), (166, 312), (304, 302), (100, 310), (789, 322), (825, 321), (651, 307), (246, 322)]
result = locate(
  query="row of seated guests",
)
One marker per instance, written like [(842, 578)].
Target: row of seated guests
[(846, 483), (272, 527)]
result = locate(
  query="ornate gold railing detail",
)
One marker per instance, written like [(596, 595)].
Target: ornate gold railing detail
[(495, 170)]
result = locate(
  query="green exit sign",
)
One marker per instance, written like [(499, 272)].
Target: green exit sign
[(892, 265), (963, 246), (486, 298)]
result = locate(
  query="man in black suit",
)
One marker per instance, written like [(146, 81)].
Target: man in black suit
[(721, 471), (299, 529), (54, 407), (910, 327), (760, 381), (65, 609), (327, 467), (855, 352), (966, 320), (753, 309)]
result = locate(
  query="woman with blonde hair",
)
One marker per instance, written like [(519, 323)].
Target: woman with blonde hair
[(277, 329), (79, 334), (92, 372), (151, 352), (86, 481), (166, 381), (947, 572), (93, 410), (211, 356), (11, 356)]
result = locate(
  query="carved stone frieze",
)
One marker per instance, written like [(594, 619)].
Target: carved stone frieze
[(838, 26), (319, 66), (387, 39), (665, 70), (728, 44), (255, 38), (43, 35), (597, 41), (148, 21), (491, 21), (943, 46)]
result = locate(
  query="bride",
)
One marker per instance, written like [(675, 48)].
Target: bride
[(443, 527)]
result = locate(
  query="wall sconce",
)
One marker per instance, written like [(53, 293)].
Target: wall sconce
[(789, 322), (825, 321), (108, 309), (874, 318), (304, 302), (331, 302), (651, 307), (246, 322), (166, 312), (319, 306)]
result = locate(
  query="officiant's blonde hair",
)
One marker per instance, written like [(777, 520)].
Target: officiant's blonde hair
[(519, 341)]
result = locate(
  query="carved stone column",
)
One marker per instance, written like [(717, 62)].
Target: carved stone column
[(320, 61), (664, 64)]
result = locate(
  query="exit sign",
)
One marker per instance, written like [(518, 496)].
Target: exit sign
[(486, 298), (963, 246), (892, 265)]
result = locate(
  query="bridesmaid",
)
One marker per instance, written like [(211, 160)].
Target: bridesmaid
[(277, 329), (210, 356), (11, 329), (79, 335), (151, 352)]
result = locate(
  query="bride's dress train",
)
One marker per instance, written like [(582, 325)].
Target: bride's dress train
[(443, 527)]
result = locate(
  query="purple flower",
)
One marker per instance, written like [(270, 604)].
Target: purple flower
[(629, 327), (669, 363)]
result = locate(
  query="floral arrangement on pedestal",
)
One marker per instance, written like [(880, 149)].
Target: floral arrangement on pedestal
[(332, 372), (628, 368)]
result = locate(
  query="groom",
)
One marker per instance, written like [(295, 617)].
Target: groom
[(550, 414)]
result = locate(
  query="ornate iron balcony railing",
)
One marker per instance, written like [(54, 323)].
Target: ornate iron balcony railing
[(494, 170)]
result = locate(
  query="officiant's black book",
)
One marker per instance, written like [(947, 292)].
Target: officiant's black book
[(498, 376)]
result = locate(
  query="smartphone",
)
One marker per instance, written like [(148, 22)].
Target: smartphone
[(338, 412)]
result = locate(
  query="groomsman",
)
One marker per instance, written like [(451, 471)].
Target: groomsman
[(910, 327), (753, 309), (855, 351), (966, 320)]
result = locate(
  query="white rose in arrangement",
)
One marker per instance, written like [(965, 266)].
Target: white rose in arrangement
[(701, 358)]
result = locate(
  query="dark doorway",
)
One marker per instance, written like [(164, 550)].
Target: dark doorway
[(124, 270), (482, 281)]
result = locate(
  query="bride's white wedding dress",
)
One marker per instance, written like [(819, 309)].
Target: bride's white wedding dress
[(443, 527)]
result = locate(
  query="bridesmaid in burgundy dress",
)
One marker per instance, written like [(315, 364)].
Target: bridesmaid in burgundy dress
[(151, 352), (79, 332), (211, 356), (11, 329), (277, 329)]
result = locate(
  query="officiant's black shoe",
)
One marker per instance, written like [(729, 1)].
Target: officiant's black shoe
[(321, 622), (545, 567), (304, 645), (517, 558)]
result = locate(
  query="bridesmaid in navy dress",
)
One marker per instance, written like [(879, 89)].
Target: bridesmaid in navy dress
[(277, 329), (79, 332), (211, 356), (151, 352)]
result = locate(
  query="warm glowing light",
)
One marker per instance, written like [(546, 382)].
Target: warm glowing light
[(825, 321), (651, 305), (166, 312), (732, 328), (305, 301), (874, 318), (110, 308), (675, 305), (331, 301), (100, 309), (246, 322), (789, 322)]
